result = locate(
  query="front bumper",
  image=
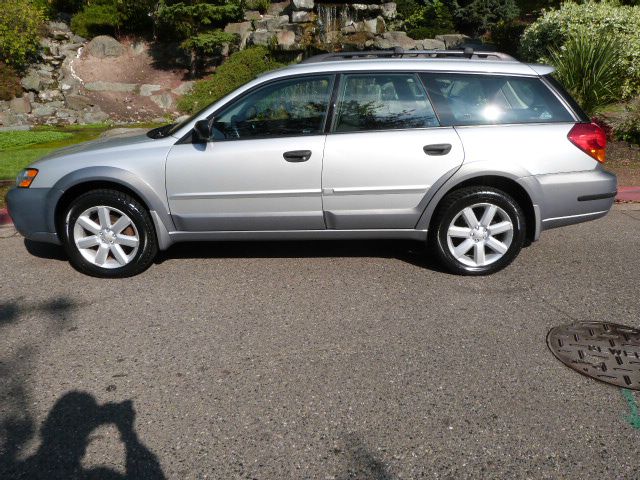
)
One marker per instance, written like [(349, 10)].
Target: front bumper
[(28, 210), (568, 198)]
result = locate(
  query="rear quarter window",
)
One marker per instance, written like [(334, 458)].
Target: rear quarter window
[(465, 99)]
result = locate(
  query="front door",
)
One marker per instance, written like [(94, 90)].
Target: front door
[(385, 152), (262, 168)]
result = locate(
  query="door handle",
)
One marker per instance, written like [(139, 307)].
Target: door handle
[(437, 149), (297, 155)]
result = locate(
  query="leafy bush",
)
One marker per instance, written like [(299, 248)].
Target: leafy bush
[(108, 17), (590, 68), (506, 36), (20, 26), (99, 18), (555, 27), (477, 17), (431, 18), (626, 126), (260, 5), (66, 6), (196, 24), (9, 83), (240, 68)]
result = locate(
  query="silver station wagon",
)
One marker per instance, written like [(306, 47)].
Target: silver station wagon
[(474, 153)]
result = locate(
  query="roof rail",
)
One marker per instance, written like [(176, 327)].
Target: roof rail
[(398, 52)]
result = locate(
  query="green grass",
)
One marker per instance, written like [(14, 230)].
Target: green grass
[(19, 149)]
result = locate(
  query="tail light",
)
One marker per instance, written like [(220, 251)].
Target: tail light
[(591, 139)]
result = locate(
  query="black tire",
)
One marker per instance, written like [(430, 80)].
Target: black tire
[(454, 203), (148, 244)]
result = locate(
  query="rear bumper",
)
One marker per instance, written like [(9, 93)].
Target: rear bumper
[(568, 198), (28, 210)]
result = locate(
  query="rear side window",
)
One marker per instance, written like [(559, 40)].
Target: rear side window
[(463, 99), (383, 102)]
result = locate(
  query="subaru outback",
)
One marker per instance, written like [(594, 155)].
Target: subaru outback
[(474, 153)]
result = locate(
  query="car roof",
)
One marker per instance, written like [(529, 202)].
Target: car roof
[(463, 65)]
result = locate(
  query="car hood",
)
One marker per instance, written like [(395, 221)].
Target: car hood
[(96, 145)]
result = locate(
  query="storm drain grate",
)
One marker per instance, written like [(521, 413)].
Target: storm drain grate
[(604, 351)]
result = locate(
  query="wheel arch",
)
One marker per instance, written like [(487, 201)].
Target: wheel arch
[(508, 184), (81, 181)]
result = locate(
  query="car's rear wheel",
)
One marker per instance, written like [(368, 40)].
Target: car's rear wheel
[(477, 231), (109, 234)]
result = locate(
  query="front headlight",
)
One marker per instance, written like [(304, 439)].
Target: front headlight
[(26, 177)]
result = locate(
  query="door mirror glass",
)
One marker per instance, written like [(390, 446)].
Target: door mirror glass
[(202, 130)]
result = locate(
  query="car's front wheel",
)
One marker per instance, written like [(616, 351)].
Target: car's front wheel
[(477, 231), (109, 234)]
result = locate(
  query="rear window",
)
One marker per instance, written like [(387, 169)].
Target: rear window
[(463, 99)]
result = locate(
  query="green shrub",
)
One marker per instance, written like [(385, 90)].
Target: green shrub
[(66, 6), (240, 68), (590, 68), (260, 5), (626, 126), (477, 17), (20, 27), (555, 27), (431, 18), (109, 17), (506, 36), (100, 18), (9, 83)]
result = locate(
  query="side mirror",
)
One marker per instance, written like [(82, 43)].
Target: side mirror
[(202, 130)]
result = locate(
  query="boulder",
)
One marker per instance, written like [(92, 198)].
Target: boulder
[(164, 100), (276, 8), (20, 105), (302, 17), (123, 132), (389, 10), (430, 44), (286, 39), (391, 40), (453, 40), (240, 28), (77, 102), (250, 15), (101, 86), (146, 90), (303, 4), (271, 23), (263, 37), (105, 46), (184, 87), (43, 110), (50, 95), (374, 25), (95, 116), (32, 81)]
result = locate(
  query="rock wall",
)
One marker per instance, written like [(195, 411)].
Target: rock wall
[(302, 24)]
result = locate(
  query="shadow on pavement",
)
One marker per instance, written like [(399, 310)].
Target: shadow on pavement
[(65, 433), (413, 253), (45, 250)]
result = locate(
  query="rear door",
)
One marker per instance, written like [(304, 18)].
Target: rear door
[(385, 151)]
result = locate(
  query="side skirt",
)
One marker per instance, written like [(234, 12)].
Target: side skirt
[(275, 235)]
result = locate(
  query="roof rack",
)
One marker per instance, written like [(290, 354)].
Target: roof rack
[(467, 52)]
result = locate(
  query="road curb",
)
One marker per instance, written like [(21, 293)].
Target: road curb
[(628, 194), (625, 194)]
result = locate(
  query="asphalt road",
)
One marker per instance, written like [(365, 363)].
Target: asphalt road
[(315, 360)]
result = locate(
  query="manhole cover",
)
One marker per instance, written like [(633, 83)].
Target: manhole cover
[(605, 351)]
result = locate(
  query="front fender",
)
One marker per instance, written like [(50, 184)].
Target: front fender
[(115, 175)]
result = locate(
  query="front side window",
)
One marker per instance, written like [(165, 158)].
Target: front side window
[(383, 102), (288, 107), (466, 99)]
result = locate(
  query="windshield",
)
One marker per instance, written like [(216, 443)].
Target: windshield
[(170, 129)]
